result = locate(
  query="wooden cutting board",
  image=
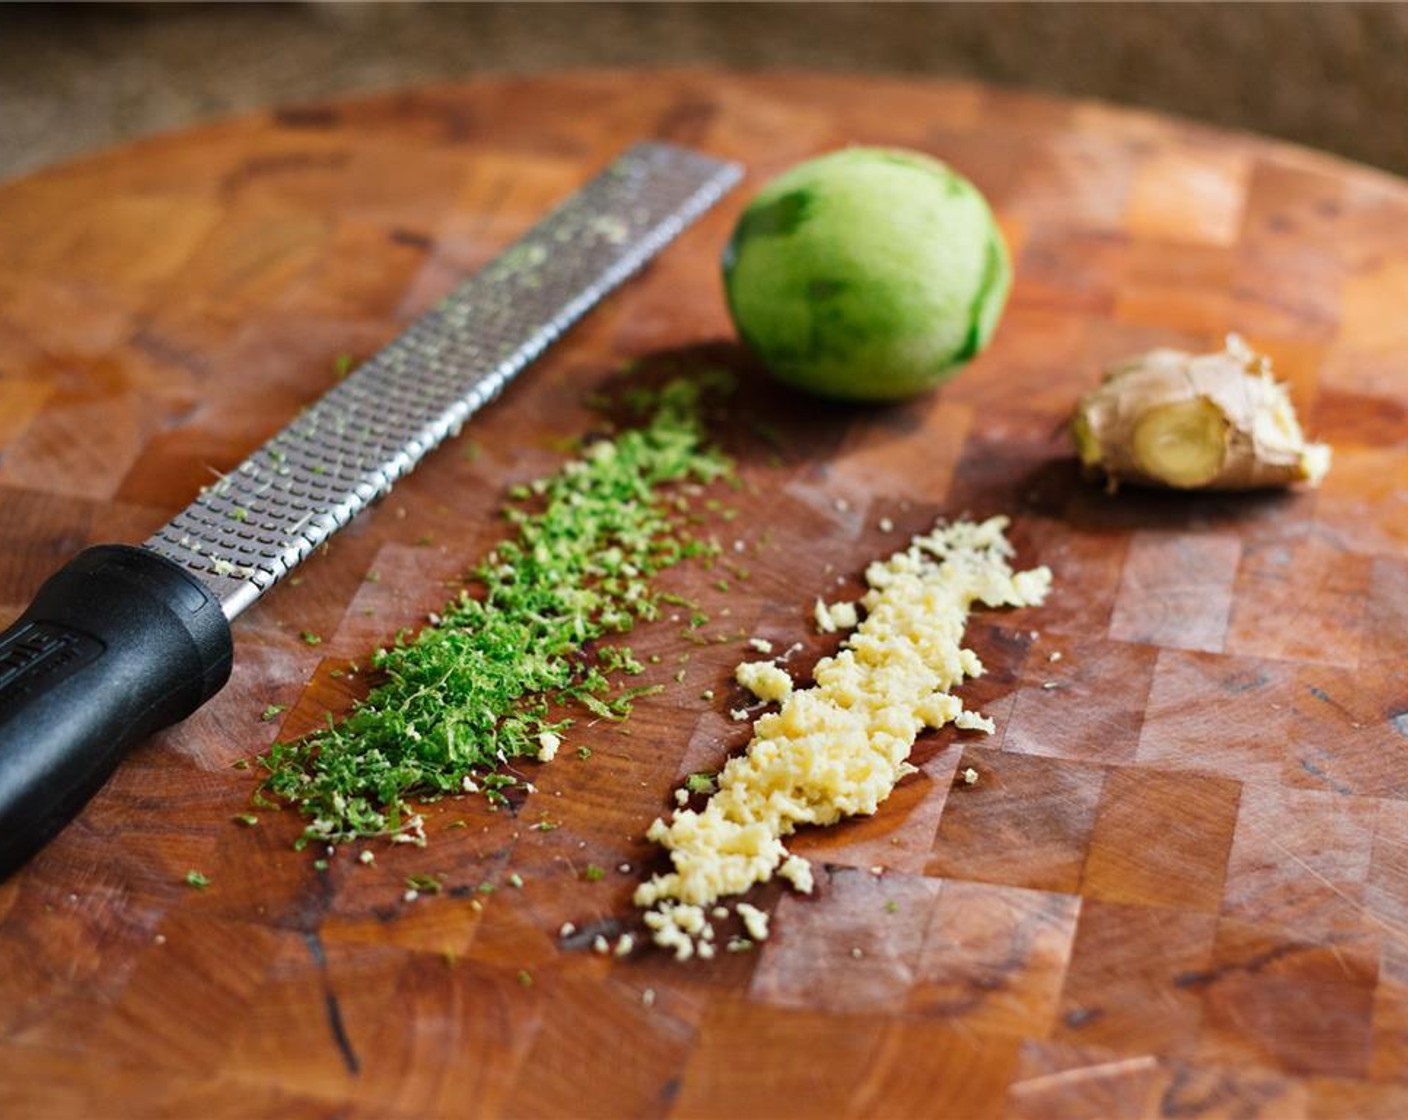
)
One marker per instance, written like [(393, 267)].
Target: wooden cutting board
[(1179, 885)]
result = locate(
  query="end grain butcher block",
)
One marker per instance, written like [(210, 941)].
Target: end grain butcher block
[(1179, 884)]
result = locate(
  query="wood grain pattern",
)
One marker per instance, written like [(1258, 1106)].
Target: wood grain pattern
[(1179, 885)]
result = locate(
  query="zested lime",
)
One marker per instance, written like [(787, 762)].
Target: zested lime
[(867, 274)]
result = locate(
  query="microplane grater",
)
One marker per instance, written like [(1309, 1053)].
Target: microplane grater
[(247, 531), (123, 641)]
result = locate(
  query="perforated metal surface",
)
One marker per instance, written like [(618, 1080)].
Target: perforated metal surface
[(246, 532)]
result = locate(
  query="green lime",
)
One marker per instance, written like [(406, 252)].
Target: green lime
[(867, 274)]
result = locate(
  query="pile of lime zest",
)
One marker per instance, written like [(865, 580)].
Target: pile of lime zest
[(460, 701)]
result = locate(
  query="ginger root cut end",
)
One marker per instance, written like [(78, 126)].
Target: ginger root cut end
[(1182, 444), (1191, 422)]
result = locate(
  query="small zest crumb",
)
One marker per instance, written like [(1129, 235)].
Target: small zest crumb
[(856, 954), (762, 645), (567, 930), (367, 856), (417, 885), (739, 715), (195, 879), (624, 944), (970, 776), (1055, 655), (600, 945), (886, 525), (547, 746)]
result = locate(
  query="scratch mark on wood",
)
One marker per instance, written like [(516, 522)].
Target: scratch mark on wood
[(333, 1008)]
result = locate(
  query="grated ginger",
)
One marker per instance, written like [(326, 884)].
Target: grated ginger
[(766, 681), (838, 748), (835, 616)]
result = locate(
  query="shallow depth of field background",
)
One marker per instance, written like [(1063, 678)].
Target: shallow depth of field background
[(77, 78)]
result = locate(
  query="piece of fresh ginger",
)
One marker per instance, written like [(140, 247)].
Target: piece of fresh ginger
[(1195, 422)]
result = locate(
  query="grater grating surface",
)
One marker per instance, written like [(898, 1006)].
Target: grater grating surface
[(254, 526)]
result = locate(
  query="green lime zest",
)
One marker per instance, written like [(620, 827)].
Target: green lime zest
[(458, 703)]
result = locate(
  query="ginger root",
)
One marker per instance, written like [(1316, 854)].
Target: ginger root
[(1195, 422)]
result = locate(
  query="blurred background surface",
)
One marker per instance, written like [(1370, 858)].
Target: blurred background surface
[(79, 77)]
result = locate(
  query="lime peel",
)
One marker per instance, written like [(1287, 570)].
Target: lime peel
[(461, 700)]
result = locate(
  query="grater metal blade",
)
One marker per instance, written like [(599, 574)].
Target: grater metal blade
[(123, 641), (259, 522)]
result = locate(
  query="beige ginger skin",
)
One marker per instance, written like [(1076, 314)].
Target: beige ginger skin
[(1196, 422)]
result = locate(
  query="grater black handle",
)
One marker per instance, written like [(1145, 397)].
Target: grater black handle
[(117, 644)]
